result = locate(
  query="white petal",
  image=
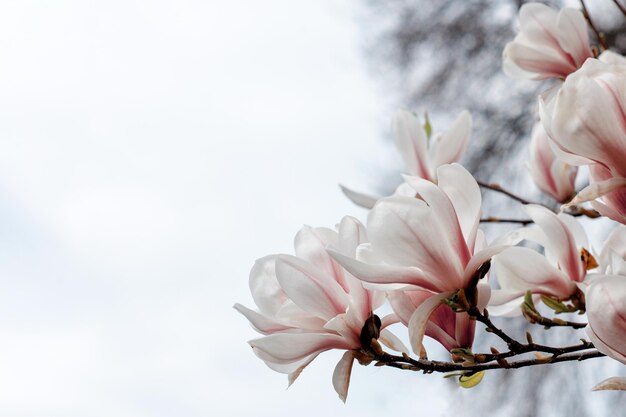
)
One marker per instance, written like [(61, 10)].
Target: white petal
[(406, 232), (560, 242), (385, 274), (452, 143), (284, 348), (392, 341), (261, 323), (360, 199), (341, 375), (464, 193), (522, 269), (309, 288), (419, 319), (264, 286), (411, 142)]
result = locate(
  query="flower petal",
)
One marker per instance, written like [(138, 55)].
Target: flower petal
[(310, 289), (284, 348), (341, 375), (360, 199), (419, 319)]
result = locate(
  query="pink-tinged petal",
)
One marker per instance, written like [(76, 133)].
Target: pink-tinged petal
[(341, 375), (464, 193), (264, 286), (551, 175), (606, 314), (536, 22), (310, 245), (347, 328), (388, 320), (613, 384), (576, 229), (572, 32), (522, 269), (392, 341), (386, 274), (588, 117), (289, 368), (261, 323), (597, 190), (296, 373), (406, 232), (360, 199), (464, 330), (451, 144), (351, 234), (444, 212), (309, 288), (484, 295), (419, 319), (610, 57), (284, 348), (560, 241), (522, 61), (479, 259), (412, 143), (506, 303)]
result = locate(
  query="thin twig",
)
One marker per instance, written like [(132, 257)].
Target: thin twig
[(492, 219), (498, 188), (599, 35), (427, 366)]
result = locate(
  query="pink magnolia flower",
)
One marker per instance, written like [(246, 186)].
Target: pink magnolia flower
[(606, 314), (308, 304), (585, 120), (422, 151), (552, 175), (521, 269), (431, 244), (550, 43)]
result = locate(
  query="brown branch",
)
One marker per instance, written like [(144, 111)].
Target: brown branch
[(492, 219), (427, 366), (498, 188)]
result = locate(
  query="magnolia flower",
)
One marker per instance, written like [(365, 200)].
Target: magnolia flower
[(308, 304), (550, 43), (585, 119), (606, 313), (565, 264), (422, 151), (550, 174), (430, 243)]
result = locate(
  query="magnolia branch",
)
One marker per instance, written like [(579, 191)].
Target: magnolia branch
[(427, 366), (469, 362), (572, 211)]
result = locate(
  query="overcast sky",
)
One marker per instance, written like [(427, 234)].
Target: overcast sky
[(150, 151)]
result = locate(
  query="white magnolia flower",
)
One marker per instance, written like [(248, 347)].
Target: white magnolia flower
[(550, 43), (430, 244), (309, 304), (421, 150)]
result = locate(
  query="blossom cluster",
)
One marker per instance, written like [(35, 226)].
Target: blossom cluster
[(422, 251)]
